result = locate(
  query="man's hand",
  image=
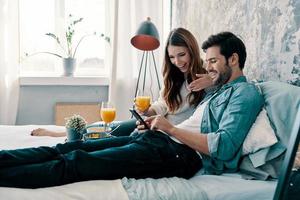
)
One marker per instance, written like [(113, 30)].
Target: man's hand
[(140, 127), (193, 139), (203, 81), (159, 122)]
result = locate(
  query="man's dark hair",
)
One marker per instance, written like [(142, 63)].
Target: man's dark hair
[(229, 44)]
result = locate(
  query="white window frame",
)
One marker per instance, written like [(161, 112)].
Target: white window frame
[(59, 28)]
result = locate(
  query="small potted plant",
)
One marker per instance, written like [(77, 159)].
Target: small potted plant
[(69, 49), (75, 126)]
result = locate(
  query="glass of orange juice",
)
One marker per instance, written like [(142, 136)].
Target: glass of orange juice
[(142, 101), (108, 113)]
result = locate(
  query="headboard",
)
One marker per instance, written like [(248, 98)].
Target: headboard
[(89, 111)]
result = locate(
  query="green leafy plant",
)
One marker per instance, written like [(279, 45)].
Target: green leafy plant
[(69, 49), (76, 122)]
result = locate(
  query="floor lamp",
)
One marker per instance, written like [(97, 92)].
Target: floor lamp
[(147, 40)]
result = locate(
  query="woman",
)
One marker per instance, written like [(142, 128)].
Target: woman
[(184, 78), (184, 81)]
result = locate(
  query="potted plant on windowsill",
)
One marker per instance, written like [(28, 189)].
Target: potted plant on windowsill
[(69, 49)]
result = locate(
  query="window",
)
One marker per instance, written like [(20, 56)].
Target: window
[(53, 16)]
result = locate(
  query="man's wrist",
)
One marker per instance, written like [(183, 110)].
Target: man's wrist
[(172, 131)]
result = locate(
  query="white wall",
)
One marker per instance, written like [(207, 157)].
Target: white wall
[(37, 103)]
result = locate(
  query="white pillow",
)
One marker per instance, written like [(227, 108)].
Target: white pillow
[(261, 135)]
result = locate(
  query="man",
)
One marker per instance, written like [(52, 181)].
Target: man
[(216, 131), (230, 111)]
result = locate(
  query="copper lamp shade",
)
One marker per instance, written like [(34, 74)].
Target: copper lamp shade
[(147, 40), (146, 37)]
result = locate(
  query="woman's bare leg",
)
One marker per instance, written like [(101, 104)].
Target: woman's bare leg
[(45, 132)]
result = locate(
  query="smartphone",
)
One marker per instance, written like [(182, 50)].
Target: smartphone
[(138, 117)]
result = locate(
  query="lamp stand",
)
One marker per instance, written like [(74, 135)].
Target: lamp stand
[(144, 63)]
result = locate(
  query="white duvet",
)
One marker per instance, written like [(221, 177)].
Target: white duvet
[(199, 187), (12, 137)]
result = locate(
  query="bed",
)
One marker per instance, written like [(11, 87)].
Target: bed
[(12, 137), (200, 187)]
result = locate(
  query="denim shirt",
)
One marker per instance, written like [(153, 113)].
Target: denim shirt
[(227, 120)]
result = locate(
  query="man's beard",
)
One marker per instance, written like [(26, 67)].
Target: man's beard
[(224, 76)]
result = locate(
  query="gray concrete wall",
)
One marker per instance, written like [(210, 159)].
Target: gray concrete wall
[(37, 103), (270, 30)]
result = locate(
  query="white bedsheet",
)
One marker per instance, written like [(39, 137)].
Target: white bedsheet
[(200, 187), (12, 137), (234, 187)]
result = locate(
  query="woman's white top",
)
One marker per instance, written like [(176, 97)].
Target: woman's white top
[(181, 114)]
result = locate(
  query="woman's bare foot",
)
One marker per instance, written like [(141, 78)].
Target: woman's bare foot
[(45, 132)]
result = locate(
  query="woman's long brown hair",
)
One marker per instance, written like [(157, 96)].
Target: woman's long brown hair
[(173, 77)]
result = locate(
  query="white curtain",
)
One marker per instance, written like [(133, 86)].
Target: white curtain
[(9, 65), (125, 61)]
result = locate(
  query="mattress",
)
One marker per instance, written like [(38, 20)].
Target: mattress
[(199, 187)]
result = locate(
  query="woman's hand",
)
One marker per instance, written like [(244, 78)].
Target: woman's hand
[(203, 81), (148, 112), (144, 113)]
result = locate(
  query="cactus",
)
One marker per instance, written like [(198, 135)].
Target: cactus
[(76, 122)]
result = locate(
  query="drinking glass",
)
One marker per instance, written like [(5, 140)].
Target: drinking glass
[(142, 101), (108, 114)]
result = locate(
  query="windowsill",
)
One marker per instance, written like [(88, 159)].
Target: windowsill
[(70, 81)]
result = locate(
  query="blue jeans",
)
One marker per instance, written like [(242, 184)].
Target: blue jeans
[(151, 154), (125, 128)]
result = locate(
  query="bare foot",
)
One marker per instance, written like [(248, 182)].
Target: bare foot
[(45, 132)]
